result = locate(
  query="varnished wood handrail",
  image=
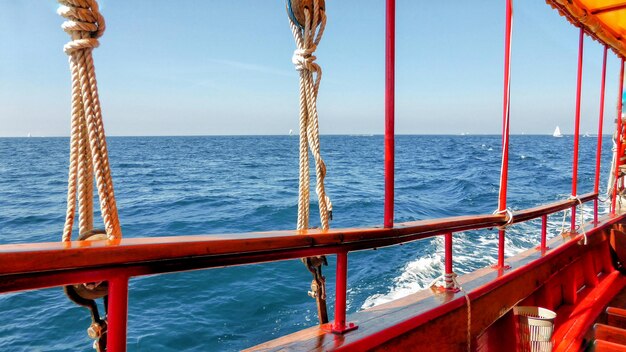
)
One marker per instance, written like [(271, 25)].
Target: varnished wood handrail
[(536, 212), (166, 254)]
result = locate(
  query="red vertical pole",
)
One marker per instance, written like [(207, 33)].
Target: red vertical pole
[(449, 284), (341, 289), (618, 137), (341, 285), (544, 232), (501, 242), (579, 80), (448, 254), (117, 314), (504, 168), (390, 57), (596, 185)]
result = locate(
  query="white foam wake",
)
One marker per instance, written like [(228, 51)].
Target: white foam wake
[(472, 250)]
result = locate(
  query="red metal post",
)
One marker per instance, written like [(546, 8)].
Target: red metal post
[(544, 232), (506, 106), (506, 113), (618, 137), (501, 264), (339, 326), (117, 314), (596, 185), (449, 282), (448, 254), (390, 57), (579, 80)]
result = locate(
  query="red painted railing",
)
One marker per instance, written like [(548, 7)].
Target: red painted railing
[(35, 266)]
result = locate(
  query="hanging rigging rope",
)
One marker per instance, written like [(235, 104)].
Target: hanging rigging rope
[(308, 20), (88, 150), (88, 153)]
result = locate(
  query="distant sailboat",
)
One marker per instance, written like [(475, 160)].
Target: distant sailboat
[(557, 132), (29, 135), (290, 132)]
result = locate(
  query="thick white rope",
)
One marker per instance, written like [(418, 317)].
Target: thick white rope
[(307, 38), (88, 150)]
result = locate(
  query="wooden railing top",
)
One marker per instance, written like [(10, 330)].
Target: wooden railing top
[(178, 253)]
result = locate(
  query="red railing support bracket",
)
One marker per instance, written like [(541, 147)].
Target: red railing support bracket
[(544, 234), (501, 264), (448, 262), (339, 326), (117, 314)]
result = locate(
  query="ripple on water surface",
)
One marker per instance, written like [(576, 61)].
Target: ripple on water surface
[(207, 185)]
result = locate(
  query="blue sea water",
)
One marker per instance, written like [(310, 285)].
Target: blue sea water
[(167, 186)]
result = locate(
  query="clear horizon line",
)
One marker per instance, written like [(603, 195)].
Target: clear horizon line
[(296, 135)]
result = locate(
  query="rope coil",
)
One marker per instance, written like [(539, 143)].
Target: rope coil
[(88, 150)]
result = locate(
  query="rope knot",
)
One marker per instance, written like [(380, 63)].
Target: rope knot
[(445, 282), (85, 24), (304, 59), (508, 216), (450, 280)]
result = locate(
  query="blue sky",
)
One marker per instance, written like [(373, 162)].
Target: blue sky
[(224, 67)]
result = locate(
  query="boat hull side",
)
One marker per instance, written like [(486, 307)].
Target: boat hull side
[(427, 322)]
